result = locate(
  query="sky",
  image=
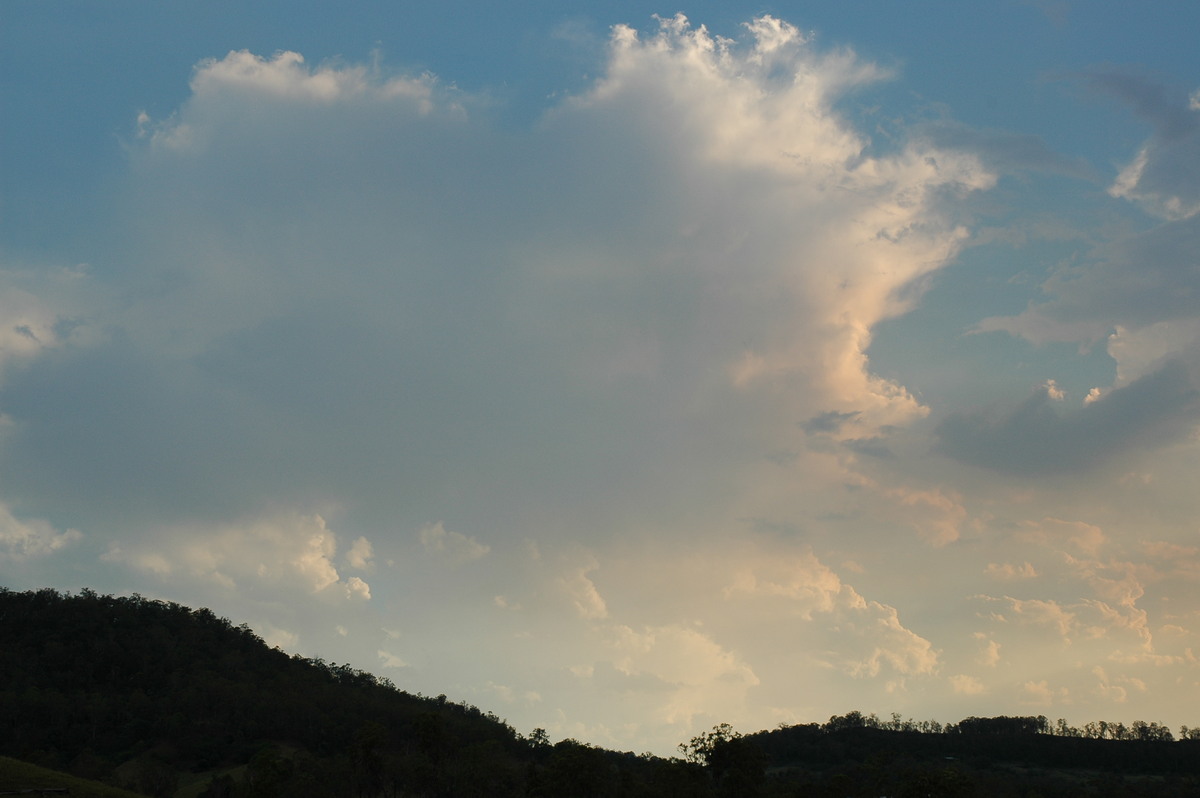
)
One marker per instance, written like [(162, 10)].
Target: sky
[(616, 368)]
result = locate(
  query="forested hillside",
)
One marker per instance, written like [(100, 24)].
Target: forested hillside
[(172, 701), (151, 695)]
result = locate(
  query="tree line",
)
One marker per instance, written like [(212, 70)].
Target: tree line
[(1025, 724)]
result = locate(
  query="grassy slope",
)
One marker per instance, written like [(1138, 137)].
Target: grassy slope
[(17, 775)]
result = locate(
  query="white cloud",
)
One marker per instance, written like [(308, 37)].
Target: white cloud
[(989, 653), (870, 633), (454, 546), (357, 588), (903, 650), (389, 660), (272, 552), (809, 585), (1007, 571), (313, 562), (360, 554), (504, 603), (698, 674), (42, 308), (583, 593), (254, 85), (966, 685), (1162, 175), (1115, 693), (1136, 182), (1043, 613), (937, 517), (280, 638), (707, 240), (1040, 694), (1145, 350), (1134, 289), (1057, 533), (21, 539)]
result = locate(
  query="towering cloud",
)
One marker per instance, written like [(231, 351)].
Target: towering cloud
[(583, 412)]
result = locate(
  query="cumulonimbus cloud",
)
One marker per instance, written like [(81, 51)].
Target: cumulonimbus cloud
[(334, 265)]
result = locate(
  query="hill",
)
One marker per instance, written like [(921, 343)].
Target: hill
[(174, 702), (164, 699), (21, 778)]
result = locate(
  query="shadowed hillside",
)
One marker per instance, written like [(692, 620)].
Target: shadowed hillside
[(155, 696), (22, 778)]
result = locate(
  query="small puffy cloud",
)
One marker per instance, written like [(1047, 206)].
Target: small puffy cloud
[(453, 546), (43, 310), (1040, 694), (510, 695), (280, 638), (21, 539), (1008, 572), (389, 660), (313, 562), (357, 588), (989, 650), (1106, 689), (1085, 537), (966, 685), (807, 584), (360, 554), (1046, 613), (583, 593), (504, 603)]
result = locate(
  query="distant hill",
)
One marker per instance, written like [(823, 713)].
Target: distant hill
[(170, 701)]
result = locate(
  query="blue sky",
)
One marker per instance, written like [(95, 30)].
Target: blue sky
[(620, 369)]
